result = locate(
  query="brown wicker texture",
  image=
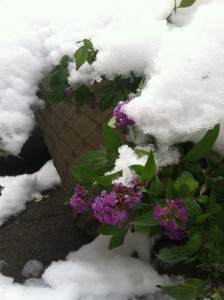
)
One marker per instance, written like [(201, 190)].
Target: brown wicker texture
[(70, 132)]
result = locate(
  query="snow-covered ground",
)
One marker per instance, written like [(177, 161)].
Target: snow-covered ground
[(18, 190), (91, 273)]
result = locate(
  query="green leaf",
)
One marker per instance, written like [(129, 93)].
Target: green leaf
[(219, 171), (193, 208), (111, 138), (88, 44), (141, 84), (137, 169), (203, 199), (203, 218), (220, 220), (118, 238), (81, 56), (82, 95), (106, 180), (83, 174), (153, 230), (93, 158), (141, 152), (170, 189), (186, 290), (107, 229), (214, 158), (216, 296), (193, 168), (64, 61), (92, 57), (186, 3), (145, 219), (58, 77), (204, 146), (156, 187), (108, 95), (183, 253), (149, 169), (58, 94), (185, 184), (112, 122)]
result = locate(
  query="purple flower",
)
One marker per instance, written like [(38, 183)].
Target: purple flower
[(69, 91), (121, 119), (173, 210), (81, 200), (115, 207)]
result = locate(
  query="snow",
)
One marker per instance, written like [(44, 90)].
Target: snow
[(184, 95), (127, 157), (37, 36), (32, 268), (183, 65), (182, 98), (93, 273), (18, 190)]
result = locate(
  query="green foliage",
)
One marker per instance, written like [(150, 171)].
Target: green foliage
[(118, 238), (108, 229), (189, 289), (186, 3), (108, 94), (83, 174), (149, 169), (82, 95), (198, 179), (204, 146), (94, 158), (85, 53), (106, 180), (111, 138), (183, 253), (145, 220), (185, 184), (156, 187)]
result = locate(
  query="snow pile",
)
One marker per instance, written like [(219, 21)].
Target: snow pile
[(183, 65), (185, 93), (37, 36), (18, 190), (32, 268), (93, 273)]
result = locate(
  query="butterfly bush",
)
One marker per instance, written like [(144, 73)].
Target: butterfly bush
[(68, 91), (173, 211), (115, 207), (121, 119), (81, 199), (193, 210)]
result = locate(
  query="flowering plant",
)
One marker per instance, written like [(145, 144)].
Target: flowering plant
[(182, 199)]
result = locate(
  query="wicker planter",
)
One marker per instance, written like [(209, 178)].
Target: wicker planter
[(69, 132)]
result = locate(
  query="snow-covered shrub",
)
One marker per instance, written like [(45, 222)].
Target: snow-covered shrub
[(156, 181)]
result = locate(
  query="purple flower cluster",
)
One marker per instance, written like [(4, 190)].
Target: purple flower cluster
[(173, 210), (121, 119), (69, 91), (81, 200), (115, 207)]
